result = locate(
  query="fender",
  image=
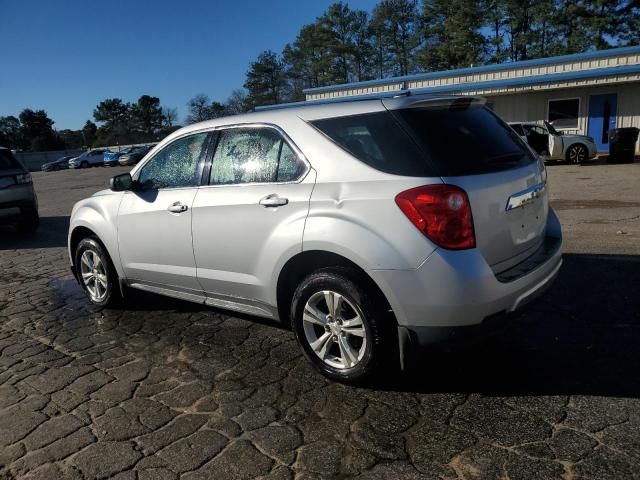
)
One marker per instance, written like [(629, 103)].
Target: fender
[(99, 217)]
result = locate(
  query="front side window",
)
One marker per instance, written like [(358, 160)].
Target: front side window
[(176, 165), (564, 113), (253, 155)]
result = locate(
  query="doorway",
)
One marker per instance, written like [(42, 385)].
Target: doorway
[(602, 118)]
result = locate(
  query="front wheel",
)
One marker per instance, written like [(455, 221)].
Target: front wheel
[(577, 154), (96, 273), (339, 325), (84, 164)]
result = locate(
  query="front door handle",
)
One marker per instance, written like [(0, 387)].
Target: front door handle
[(273, 200), (177, 207)]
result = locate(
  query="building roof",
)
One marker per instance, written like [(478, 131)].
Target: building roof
[(622, 56)]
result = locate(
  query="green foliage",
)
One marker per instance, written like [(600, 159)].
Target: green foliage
[(89, 132), (146, 116), (266, 81), (395, 23), (11, 133), (451, 34), (37, 131)]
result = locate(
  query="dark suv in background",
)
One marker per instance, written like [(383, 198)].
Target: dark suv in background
[(18, 201)]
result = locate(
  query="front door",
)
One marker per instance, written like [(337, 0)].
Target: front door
[(154, 220), (250, 218), (602, 118)]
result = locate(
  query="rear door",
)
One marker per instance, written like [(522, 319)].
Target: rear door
[(475, 150), (252, 214)]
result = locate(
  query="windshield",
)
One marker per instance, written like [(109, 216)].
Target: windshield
[(7, 161)]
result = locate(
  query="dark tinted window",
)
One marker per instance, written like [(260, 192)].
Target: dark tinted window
[(7, 162), (459, 139), (564, 113), (465, 138), (377, 140)]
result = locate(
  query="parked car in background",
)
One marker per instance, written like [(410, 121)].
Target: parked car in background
[(365, 225), (18, 200), (134, 156), (59, 164), (110, 159), (551, 144), (88, 159)]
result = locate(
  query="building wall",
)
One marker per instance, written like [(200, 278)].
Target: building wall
[(603, 60), (533, 106)]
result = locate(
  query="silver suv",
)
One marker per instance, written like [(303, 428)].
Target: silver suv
[(369, 226)]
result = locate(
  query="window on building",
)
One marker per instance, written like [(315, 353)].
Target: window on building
[(564, 113)]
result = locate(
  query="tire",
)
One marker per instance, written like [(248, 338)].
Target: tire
[(101, 287), (56, 168), (577, 153), (368, 352), (29, 221), (84, 164)]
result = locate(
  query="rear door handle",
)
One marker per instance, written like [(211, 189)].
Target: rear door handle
[(177, 207), (273, 200)]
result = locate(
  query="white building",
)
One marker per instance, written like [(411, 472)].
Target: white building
[(585, 93)]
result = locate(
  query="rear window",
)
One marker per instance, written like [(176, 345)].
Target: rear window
[(7, 161), (377, 140), (451, 140)]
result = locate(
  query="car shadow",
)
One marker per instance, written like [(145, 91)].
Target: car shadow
[(52, 233), (581, 337)]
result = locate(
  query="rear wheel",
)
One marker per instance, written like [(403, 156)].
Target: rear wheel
[(577, 153), (96, 273), (339, 325)]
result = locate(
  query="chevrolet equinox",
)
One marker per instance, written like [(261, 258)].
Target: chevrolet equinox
[(367, 225)]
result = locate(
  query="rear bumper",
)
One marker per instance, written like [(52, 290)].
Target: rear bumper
[(15, 201), (458, 289)]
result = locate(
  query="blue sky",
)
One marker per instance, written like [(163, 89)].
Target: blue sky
[(65, 56)]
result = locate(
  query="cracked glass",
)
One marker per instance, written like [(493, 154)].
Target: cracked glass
[(253, 155), (176, 165)]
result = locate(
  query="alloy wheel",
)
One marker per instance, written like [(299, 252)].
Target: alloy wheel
[(94, 275), (334, 329), (577, 154)]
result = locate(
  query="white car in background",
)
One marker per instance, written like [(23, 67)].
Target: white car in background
[(88, 159), (551, 144)]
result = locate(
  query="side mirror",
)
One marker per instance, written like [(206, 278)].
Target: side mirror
[(121, 183)]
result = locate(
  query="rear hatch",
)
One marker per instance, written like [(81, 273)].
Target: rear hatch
[(470, 147), (9, 168)]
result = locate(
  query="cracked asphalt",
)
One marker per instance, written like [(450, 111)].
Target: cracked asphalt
[(165, 389)]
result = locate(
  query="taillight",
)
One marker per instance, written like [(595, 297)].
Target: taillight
[(23, 178), (442, 213)]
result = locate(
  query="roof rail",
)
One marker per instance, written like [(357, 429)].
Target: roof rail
[(341, 99)]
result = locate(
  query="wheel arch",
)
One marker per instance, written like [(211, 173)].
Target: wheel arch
[(304, 263)]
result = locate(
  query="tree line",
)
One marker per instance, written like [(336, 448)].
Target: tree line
[(399, 37)]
